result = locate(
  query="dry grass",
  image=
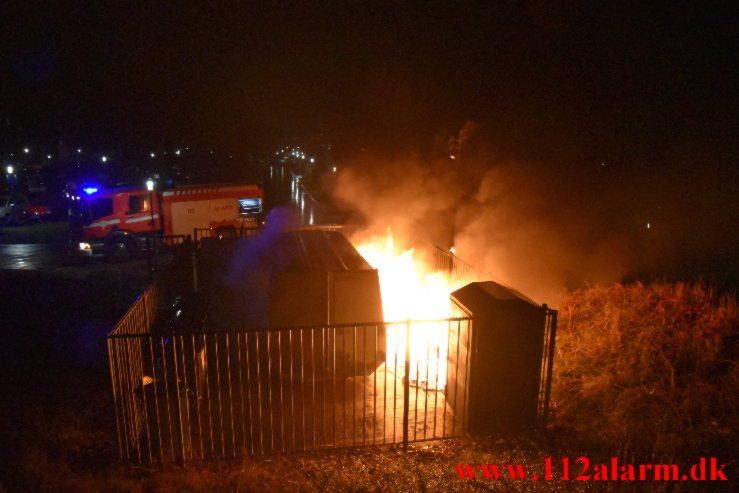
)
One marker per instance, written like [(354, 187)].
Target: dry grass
[(650, 371)]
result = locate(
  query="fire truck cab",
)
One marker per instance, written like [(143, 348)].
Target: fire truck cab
[(117, 222)]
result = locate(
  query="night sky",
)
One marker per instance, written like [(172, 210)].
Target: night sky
[(649, 88)]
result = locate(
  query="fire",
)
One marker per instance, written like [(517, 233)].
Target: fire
[(411, 290)]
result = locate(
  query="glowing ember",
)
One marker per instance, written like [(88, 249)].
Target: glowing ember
[(412, 291)]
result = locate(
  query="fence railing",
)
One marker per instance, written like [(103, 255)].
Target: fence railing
[(251, 229), (458, 272), (245, 392)]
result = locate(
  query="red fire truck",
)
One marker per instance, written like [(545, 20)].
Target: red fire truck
[(117, 222)]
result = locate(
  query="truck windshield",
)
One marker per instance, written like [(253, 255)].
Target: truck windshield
[(96, 208)]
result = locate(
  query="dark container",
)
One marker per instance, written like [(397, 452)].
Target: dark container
[(506, 357)]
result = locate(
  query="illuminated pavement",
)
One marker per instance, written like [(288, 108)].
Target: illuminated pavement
[(32, 256)]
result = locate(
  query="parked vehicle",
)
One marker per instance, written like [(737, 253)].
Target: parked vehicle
[(12, 208), (44, 208), (117, 222)]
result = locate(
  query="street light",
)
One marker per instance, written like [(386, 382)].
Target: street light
[(104, 159), (26, 150), (151, 245), (9, 170)]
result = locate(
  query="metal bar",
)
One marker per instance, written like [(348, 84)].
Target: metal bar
[(302, 387), (292, 389), (210, 402), (241, 392), (395, 384), (230, 393), (179, 399), (197, 395), (426, 393), (143, 395), (406, 382), (374, 390), (166, 391), (334, 386), (112, 335), (415, 403), (154, 378), (249, 392), (187, 398), (220, 402), (354, 391), (279, 374), (550, 363), (446, 377), (259, 393), (269, 397), (313, 386), (323, 378), (385, 402), (364, 387), (112, 358), (456, 381)]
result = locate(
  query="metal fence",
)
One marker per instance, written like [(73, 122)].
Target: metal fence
[(251, 229), (458, 272), (247, 392)]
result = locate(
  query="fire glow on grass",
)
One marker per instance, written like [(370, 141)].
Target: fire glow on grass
[(412, 291)]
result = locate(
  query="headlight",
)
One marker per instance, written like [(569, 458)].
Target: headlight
[(85, 246)]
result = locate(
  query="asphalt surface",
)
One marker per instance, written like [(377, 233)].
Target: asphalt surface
[(30, 256)]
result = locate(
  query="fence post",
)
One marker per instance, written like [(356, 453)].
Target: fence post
[(194, 271), (406, 382), (552, 314)]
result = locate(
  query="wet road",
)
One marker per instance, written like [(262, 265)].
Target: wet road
[(32, 256)]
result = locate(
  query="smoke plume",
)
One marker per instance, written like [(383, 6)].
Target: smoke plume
[(527, 228)]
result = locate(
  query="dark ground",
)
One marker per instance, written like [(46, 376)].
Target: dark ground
[(54, 367)]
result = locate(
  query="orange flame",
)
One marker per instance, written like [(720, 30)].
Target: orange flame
[(411, 290)]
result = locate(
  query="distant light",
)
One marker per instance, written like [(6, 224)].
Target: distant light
[(90, 190), (302, 156), (26, 150), (104, 159), (85, 246), (187, 148), (150, 185), (152, 154), (79, 150), (48, 156), (9, 169), (649, 225), (177, 152), (312, 160), (452, 156), (452, 250), (602, 163), (334, 169)]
